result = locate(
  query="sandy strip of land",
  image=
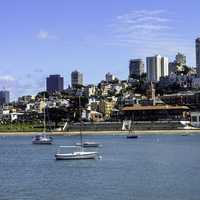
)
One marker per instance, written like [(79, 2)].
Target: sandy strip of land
[(143, 132)]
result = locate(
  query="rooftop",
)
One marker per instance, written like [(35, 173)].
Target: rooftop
[(160, 107)]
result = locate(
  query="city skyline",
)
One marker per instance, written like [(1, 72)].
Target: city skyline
[(35, 43)]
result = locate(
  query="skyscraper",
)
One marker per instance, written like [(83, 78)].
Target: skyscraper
[(136, 68), (198, 56), (153, 68), (164, 66), (54, 83), (109, 77), (76, 78), (4, 97), (157, 66)]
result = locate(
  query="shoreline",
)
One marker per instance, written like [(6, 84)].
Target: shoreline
[(117, 133)]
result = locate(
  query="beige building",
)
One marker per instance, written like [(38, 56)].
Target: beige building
[(106, 107)]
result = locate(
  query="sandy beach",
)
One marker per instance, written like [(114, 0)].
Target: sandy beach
[(139, 132)]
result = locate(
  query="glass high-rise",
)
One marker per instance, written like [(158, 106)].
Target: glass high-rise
[(54, 83), (4, 97), (76, 78), (198, 56), (136, 68)]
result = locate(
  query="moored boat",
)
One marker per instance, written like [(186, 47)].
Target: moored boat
[(75, 155), (88, 144), (42, 139)]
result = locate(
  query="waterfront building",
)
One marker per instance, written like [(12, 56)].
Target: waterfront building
[(76, 78), (198, 56), (106, 107), (195, 119), (4, 97), (136, 68), (180, 59), (196, 83), (189, 98), (54, 83), (155, 113)]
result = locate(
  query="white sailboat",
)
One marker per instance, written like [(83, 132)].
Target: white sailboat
[(132, 134), (43, 138), (77, 154)]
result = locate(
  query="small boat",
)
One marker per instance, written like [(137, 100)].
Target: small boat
[(75, 155), (42, 139), (185, 134), (88, 144), (132, 136)]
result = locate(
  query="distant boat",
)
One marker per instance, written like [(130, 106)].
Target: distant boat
[(88, 144), (75, 155), (43, 138), (132, 134), (185, 134)]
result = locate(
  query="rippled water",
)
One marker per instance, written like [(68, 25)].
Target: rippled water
[(151, 167)]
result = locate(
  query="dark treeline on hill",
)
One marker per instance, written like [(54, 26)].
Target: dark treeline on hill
[(71, 113)]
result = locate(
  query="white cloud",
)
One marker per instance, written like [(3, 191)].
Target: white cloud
[(149, 32), (8, 78), (45, 35)]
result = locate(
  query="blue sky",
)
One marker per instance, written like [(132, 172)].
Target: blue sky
[(41, 37)]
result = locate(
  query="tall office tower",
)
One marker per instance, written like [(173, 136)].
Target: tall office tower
[(76, 78), (109, 77), (136, 68), (4, 97), (164, 66), (172, 67), (180, 59), (153, 68), (54, 83), (198, 56)]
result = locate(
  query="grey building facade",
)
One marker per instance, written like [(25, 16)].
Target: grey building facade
[(4, 97), (197, 42), (76, 78), (136, 68), (54, 83)]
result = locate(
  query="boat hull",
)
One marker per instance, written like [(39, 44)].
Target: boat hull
[(88, 144), (42, 139), (76, 156), (132, 136), (42, 142)]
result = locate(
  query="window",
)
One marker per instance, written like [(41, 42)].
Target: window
[(194, 118)]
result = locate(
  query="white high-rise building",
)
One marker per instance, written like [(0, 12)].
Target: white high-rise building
[(157, 66), (153, 68), (164, 66)]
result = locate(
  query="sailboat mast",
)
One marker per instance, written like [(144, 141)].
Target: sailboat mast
[(81, 136), (44, 120)]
